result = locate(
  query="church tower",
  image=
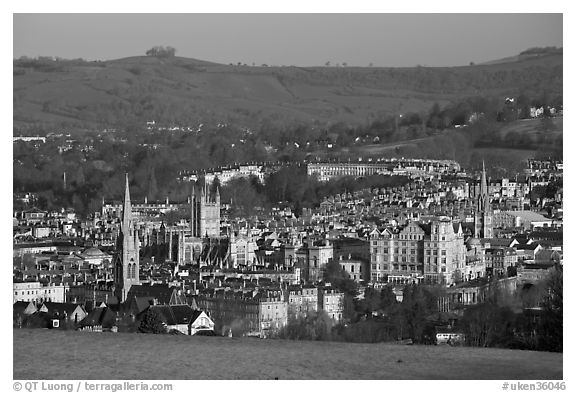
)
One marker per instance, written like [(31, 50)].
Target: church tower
[(127, 258), (483, 213), (205, 212)]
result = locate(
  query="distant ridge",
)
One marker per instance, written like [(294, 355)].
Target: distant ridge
[(51, 93), (527, 54)]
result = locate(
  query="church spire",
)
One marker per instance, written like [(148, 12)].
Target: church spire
[(127, 209), (484, 188)]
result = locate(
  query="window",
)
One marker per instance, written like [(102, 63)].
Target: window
[(443, 252), (373, 266)]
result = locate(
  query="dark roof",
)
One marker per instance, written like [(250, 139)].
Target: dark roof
[(102, 316), (20, 306), (61, 308), (526, 246), (496, 242), (176, 315), (537, 266), (161, 292)]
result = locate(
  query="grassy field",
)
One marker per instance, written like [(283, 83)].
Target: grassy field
[(530, 127), (49, 354)]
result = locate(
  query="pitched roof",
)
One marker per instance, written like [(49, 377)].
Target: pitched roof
[(20, 306), (61, 308), (496, 242), (102, 316), (161, 292), (531, 246), (175, 315)]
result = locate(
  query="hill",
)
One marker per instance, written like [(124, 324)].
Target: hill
[(184, 91), (81, 355)]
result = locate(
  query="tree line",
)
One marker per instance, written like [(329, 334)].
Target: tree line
[(530, 318)]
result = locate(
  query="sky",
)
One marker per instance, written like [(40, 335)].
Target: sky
[(388, 40)]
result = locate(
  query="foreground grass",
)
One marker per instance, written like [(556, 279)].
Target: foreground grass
[(49, 354)]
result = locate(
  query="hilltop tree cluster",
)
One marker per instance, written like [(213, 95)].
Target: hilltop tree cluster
[(161, 51)]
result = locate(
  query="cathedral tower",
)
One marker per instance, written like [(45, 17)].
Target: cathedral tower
[(127, 258), (205, 212)]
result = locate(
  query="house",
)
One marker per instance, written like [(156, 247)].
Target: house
[(200, 322), (547, 257), (100, 319), (34, 215), (69, 311), (450, 336), (527, 251), (184, 319), (160, 293), (24, 308)]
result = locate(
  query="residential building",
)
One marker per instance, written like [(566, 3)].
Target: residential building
[(332, 302), (38, 292)]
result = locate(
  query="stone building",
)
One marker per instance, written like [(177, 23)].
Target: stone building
[(127, 259), (433, 252), (301, 301), (483, 215), (204, 223)]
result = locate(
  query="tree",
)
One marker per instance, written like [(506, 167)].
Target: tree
[(152, 323), (550, 330), (314, 326), (161, 51), (338, 278)]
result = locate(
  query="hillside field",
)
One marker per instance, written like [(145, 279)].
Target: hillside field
[(187, 91), (102, 356)]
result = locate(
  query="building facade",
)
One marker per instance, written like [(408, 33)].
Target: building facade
[(37, 292)]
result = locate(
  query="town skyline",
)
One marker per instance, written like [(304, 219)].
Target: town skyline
[(325, 196)]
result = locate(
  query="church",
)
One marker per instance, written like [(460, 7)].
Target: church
[(127, 258), (203, 244), (483, 215)]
